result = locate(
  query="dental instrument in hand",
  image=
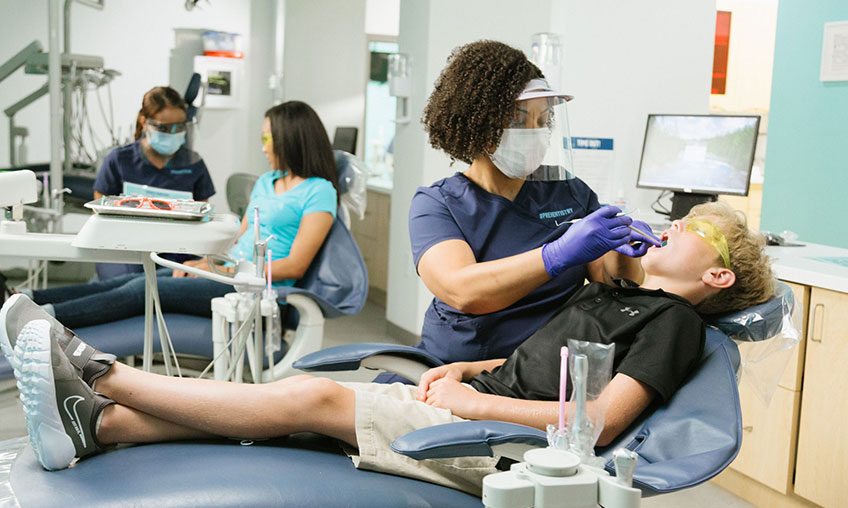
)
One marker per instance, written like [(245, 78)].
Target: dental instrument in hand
[(651, 238)]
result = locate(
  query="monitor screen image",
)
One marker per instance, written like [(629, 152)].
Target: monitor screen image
[(705, 154)]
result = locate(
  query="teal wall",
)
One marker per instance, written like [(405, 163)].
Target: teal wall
[(806, 170)]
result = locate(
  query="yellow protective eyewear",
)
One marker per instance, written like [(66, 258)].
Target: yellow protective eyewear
[(707, 230), (267, 140)]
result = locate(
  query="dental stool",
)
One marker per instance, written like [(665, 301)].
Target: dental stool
[(679, 444)]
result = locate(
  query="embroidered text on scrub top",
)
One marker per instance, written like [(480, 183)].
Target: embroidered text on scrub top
[(555, 214)]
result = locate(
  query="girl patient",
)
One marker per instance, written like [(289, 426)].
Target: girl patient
[(78, 401)]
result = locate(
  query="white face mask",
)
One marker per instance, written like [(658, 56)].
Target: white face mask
[(521, 151)]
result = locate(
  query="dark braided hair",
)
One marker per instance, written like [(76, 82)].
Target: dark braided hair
[(474, 97)]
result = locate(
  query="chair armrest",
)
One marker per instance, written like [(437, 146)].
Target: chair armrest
[(470, 439), (406, 361)]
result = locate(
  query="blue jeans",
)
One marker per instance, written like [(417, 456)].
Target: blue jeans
[(123, 297)]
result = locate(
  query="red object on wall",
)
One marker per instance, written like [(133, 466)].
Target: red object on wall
[(722, 49)]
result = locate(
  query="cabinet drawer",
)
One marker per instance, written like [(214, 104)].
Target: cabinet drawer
[(768, 437)]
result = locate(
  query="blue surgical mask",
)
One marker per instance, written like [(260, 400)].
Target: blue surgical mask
[(164, 143)]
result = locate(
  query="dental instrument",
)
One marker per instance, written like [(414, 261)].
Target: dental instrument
[(652, 238), (625, 464), (563, 381)]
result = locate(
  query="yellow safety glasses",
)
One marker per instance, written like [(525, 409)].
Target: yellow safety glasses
[(711, 234), (267, 140)]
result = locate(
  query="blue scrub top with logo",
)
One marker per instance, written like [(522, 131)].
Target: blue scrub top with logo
[(185, 171), (495, 227)]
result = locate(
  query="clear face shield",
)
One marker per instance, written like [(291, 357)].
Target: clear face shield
[(536, 145)]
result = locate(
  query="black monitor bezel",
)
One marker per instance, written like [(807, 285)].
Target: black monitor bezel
[(694, 190)]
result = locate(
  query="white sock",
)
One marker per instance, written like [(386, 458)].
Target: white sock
[(27, 292), (48, 308)]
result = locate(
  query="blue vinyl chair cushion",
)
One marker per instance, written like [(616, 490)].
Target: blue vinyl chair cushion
[(349, 356), (337, 278), (303, 470), (759, 322), (465, 439)]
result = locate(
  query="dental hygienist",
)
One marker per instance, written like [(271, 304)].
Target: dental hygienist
[(158, 157), (498, 244)]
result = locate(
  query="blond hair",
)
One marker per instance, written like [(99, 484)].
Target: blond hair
[(755, 282)]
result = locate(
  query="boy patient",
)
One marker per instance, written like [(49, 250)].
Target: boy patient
[(78, 401)]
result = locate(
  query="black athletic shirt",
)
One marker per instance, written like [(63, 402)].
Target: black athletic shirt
[(658, 338)]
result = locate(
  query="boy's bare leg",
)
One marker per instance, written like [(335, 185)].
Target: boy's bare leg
[(122, 424), (296, 404)]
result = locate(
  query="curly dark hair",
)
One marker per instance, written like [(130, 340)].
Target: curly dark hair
[(474, 98)]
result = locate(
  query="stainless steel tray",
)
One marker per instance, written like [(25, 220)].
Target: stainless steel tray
[(182, 209)]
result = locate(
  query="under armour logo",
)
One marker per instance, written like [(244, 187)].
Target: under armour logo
[(78, 351), (630, 311)]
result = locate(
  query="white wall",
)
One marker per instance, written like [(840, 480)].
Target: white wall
[(326, 60), (623, 60), (137, 38)]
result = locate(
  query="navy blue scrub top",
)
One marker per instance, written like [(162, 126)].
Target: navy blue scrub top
[(495, 227), (185, 171)]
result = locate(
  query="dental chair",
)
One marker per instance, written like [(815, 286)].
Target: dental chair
[(680, 444)]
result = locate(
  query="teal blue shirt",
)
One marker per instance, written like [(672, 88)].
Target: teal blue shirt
[(280, 214)]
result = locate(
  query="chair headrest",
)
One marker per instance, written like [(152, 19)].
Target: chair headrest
[(345, 168), (759, 322)]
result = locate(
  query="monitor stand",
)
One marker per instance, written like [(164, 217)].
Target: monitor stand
[(682, 202)]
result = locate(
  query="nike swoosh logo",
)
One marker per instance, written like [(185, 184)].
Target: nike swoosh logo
[(75, 423)]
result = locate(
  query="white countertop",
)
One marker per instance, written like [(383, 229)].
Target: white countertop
[(794, 264), (379, 184)]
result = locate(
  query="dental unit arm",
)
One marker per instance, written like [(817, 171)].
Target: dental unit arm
[(17, 189)]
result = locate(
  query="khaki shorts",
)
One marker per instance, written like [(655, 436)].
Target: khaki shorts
[(386, 412)]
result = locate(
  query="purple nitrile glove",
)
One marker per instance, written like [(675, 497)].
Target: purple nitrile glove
[(638, 245), (587, 240)]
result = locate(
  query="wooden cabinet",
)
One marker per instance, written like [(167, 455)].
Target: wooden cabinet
[(795, 451), (372, 236), (822, 463), (769, 433), (768, 437)]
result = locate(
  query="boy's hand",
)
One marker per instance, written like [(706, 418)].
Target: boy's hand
[(449, 393), (451, 371)]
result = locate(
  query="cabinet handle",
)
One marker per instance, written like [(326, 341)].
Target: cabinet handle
[(818, 322), (748, 428)]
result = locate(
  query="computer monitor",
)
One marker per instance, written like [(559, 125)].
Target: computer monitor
[(698, 157)]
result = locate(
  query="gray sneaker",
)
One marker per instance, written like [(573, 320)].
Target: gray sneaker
[(20, 310), (61, 410)]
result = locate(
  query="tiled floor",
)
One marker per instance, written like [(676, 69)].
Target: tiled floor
[(370, 326)]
